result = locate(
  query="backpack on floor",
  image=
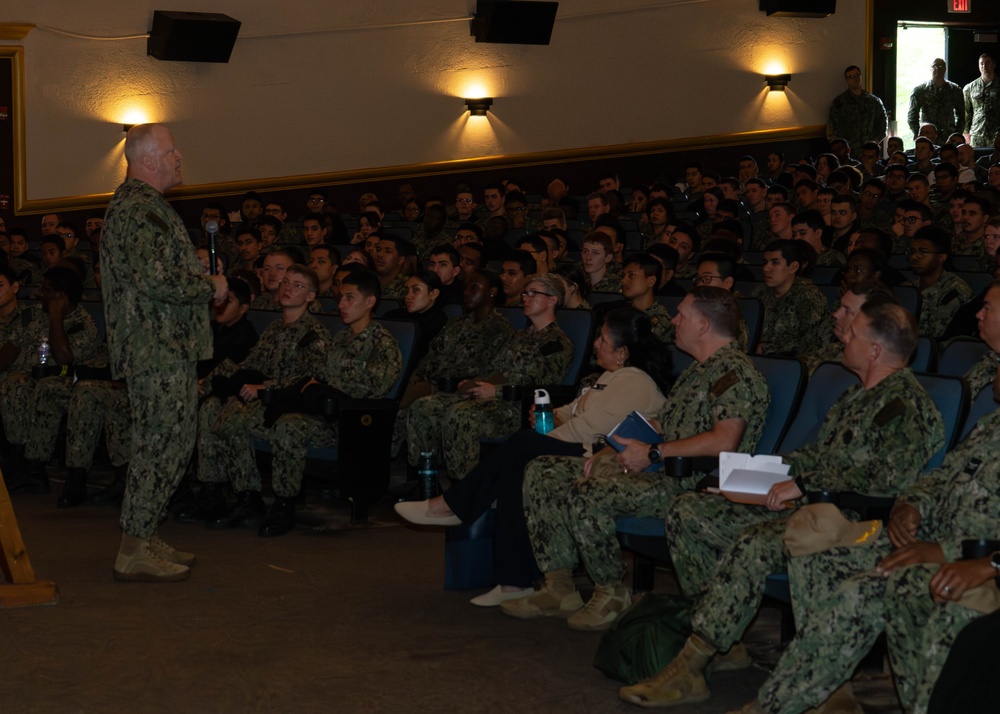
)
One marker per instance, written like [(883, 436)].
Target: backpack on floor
[(645, 639)]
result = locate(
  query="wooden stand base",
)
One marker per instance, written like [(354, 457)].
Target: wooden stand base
[(21, 589)]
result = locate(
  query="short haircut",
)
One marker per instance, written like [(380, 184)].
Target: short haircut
[(252, 196), (848, 70), (875, 257), (808, 171), (691, 232), (725, 263), (525, 261), (756, 182), (870, 146), (554, 213), (366, 282), (553, 284), (449, 250), (515, 197), (249, 278), (778, 190), (926, 214), (919, 178), (718, 307), (474, 228), (791, 250), (492, 281), (893, 326), (56, 240), (668, 256), (732, 182), (872, 289), (223, 212), (985, 205), (290, 252), (650, 266), (248, 230), (602, 197), (813, 219), (608, 221), (808, 183), (240, 290), (601, 238), (306, 273), (936, 236), (946, 168), (846, 198), (535, 241), (876, 183), (668, 206), (65, 280), (318, 217), (331, 252), (272, 221), (402, 246)]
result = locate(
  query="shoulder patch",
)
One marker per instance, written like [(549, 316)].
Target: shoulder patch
[(308, 339), (890, 411), (552, 347), (723, 384), (951, 296), (157, 221)]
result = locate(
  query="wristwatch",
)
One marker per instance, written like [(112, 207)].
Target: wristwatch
[(656, 457)]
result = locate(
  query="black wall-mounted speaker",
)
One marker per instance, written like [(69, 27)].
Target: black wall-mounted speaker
[(514, 22), (799, 8), (192, 36)]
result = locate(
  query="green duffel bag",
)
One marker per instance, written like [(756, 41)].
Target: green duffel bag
[(645, 639)]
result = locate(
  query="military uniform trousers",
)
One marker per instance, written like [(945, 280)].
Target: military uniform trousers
[(290, 437), (225, 442), (701, 527), (456, 425), (920, 633), (571, 518), (839, 604), (17, 394), (499, 477), (97, 404), (163, 405), (47, 404)]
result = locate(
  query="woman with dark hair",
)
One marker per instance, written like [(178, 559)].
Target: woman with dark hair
[(368, 223), (660, 221), (636, 375), (361, 256), (576, 284), (422, 304)]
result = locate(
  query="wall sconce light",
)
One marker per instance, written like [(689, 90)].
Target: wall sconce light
[(777, 82), (479, 107), (126, 127)]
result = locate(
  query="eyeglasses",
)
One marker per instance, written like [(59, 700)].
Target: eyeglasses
[(534, 294), (286, 283), (706, 279), (871, 194), (517, 209), (463, 200), (909, 220), (921, 252), (314, 199), (854, 75)]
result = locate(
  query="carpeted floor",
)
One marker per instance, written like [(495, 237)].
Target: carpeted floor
[(343, 620)]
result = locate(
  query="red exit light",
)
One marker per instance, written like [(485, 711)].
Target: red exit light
[(959, 5)]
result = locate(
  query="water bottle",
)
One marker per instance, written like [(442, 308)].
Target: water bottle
[(427, 474), (544, 420), (43, 352)]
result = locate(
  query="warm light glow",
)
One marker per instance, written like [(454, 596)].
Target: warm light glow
[(135, 116), (775, 66), (474, 88)]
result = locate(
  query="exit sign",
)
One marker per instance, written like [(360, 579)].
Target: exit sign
[(959, 5)]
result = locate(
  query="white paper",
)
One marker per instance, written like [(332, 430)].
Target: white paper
[(743, 473)]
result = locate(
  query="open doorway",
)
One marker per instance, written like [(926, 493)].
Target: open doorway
[(917, 45)]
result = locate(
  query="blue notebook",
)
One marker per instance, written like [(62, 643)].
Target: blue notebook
[(635, 426)]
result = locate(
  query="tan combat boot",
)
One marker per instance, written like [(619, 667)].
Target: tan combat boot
[(558, 597), (841, 701), (169, 553), (137, 562), (736, 658), (680, 682), (603, 608)]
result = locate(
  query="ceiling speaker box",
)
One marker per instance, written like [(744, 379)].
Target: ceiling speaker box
[(192, 36), (514, 22), (799, 8)]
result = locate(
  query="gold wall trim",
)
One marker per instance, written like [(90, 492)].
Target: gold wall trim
[(15, 30), (436, 168), (16, 56)]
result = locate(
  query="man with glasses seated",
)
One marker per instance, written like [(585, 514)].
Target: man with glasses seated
[(911, 216), (941, 292)]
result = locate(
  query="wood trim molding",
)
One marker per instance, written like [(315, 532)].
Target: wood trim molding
[(15, 53), (15, 30), (436, 168)]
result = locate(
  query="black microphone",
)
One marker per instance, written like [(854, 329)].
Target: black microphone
[(211, 227)]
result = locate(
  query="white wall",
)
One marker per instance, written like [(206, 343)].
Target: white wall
[(334, 101)]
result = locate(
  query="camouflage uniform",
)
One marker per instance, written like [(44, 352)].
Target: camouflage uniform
[(20, 392), (569, 515), (365, 366), (959, 246), (943, 106), (19, 316), (829, 256), (156, 309), (610, 283), (463, 346), (874, 441), (839, 599), (93, 405), (27, 272), (686, 272), (395, 289), (425, 243), (940, 302), (795, 323), (663, 328), (284, 353), (532, 357), (857, 118), (982, 110), (831, 352), (981, 374)]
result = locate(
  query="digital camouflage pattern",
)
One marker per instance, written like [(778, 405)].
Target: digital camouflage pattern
[(943, 106), (28, 333), (463, 346), (44, 409), (569, 515), (365, 366), (981, 374), (531, 357), (663, 328), (982, 110), (857, 118), (838, 598), (95, 405), (395, 289), (796, 323), (940, 302)]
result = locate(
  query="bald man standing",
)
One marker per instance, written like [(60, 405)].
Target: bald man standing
[(156, 308)]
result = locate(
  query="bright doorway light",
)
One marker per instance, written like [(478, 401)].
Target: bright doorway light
[(916, 47)]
